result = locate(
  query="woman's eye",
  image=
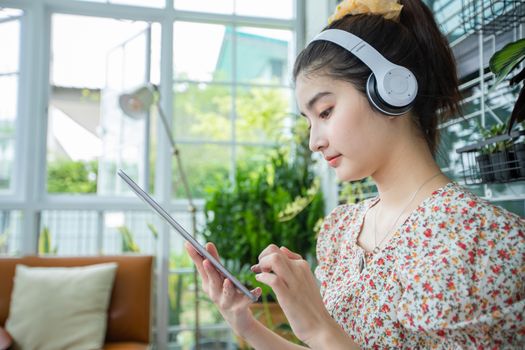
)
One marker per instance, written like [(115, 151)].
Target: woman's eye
[(325, 113)]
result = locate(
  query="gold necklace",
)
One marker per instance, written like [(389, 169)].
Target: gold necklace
[(389, 232)]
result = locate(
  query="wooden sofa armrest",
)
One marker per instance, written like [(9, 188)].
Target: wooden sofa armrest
[(5, 339)]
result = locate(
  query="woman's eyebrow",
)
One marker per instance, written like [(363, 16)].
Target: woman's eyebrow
[(314, 99)]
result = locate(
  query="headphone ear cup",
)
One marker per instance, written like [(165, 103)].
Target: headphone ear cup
[(376, 100)]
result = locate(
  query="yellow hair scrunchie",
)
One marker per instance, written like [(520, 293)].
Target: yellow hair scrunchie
[(390, 9)]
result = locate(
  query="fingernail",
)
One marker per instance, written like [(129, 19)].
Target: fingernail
[(257, 276), (253, 267)]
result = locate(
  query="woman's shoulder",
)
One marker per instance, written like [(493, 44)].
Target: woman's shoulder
[(457, 224), (463, 243), (454, 204)]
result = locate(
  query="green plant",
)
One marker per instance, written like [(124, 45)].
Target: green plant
[(356, 191), (4, 240), (66, 176), (128, 242), (274, 202), (44, 242), (502, 63), (493, 131)]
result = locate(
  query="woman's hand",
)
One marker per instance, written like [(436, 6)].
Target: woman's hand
[(296, 289), (232, 304)]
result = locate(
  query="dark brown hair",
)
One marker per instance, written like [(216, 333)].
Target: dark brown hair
[(415, 42)]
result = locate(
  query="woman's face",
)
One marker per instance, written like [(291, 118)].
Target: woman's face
[(352, 137)]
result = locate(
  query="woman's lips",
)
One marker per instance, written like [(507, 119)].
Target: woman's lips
[(334, 161)]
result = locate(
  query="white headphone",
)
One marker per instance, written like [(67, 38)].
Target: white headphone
[(392, 89)]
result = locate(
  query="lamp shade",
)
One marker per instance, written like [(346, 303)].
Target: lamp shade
[(137, 103)]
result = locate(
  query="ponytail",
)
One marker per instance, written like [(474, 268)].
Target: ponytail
[(440, 88)]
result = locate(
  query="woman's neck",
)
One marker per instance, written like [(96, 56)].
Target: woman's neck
[(410, 168)]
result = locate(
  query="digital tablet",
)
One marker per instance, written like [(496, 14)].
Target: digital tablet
[(200, 249)]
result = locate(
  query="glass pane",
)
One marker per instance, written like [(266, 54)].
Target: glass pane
[(68, 232), (130, 232), (250, 157), (9, 41), (204, 165), (95, 60), (9, 13), (263, 55), (146, 3), (182, 310), (202, 52), (212, 6), (270, 8), (262, 113), (10, 232), (8, 106), (202, 111)]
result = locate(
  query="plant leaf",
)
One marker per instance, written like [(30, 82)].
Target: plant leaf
[(518, 112), (506, 59)]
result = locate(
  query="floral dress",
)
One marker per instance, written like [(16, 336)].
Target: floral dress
[(451, 277)]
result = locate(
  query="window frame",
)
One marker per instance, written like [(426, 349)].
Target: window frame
[(29, 194)]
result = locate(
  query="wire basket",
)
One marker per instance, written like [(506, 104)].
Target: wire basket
[(492, 16), (480, 166)]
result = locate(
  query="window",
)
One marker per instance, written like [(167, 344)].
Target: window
[(232, 97), (89, 138), (9, 79), (76, 58)]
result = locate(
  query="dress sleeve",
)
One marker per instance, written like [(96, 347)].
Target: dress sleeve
[(469, 290)]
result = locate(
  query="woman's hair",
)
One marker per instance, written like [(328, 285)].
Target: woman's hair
[(415, 42)]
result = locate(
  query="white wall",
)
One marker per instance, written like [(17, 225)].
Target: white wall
[(317, 13)]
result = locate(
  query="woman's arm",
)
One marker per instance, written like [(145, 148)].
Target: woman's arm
[(329, 336), (234, 306), (298, 295), (261, 338)]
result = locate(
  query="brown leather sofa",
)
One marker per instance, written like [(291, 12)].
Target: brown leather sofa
[(129, 321)]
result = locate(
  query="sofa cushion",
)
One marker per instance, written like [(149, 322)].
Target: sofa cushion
[(60, 307), (126, 346)]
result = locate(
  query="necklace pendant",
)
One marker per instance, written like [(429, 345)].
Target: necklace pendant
[(362, 263), (376, 250)]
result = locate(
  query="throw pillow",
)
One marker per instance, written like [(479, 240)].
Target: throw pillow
[(60, 307)]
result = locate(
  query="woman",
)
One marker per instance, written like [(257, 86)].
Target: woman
[(426, 264)]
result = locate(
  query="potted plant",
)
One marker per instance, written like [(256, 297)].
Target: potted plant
[(519, 151), (486, 170), (278, 201), (502, 63), (497, 157)]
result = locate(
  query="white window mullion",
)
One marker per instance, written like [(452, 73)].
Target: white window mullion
[(163, 180), (32, 120)]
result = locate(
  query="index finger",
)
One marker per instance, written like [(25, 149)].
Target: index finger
[(272, 248)]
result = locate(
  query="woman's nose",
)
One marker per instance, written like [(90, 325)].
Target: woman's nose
[(317, 140)]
